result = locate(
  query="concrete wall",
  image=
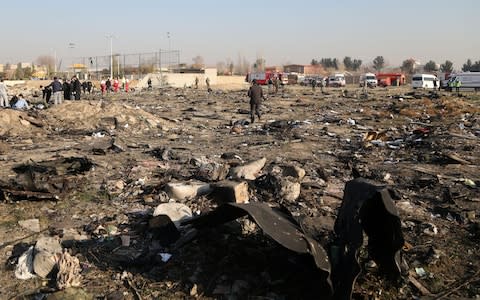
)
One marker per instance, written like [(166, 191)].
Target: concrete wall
[(179, 79)]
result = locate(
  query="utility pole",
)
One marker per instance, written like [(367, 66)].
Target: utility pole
[(71, 46), (55, 62), (111, 36)]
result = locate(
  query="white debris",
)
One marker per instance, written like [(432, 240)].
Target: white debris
[(24, 268)]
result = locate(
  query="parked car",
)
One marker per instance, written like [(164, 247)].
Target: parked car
[(307, 81), (336, 80), (370, 79)]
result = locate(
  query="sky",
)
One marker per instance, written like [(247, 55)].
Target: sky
[(279, 31)]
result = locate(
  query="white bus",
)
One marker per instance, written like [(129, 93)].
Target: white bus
[(426, 81)]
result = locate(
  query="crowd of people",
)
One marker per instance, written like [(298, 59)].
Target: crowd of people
[(59, 90), (107, 86)]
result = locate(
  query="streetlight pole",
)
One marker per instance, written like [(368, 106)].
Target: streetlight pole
[(55, 62), (71, 46), (169, 56), (111, 36)]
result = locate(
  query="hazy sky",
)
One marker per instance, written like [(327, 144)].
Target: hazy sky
[(279, 31)]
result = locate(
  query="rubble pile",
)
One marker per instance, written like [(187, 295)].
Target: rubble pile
[(173, 193)]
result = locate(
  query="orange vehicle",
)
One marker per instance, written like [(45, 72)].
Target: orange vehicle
[(390, 79)]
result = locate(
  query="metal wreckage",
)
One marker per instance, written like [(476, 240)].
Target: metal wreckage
[(366, 208)]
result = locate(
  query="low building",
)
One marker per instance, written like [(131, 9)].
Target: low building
[(304, 69)]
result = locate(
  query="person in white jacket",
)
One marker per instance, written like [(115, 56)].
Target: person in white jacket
[(3, 95)]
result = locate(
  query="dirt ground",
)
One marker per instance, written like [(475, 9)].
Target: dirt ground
[(112, 157)]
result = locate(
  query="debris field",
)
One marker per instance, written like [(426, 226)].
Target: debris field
[(174, 194)]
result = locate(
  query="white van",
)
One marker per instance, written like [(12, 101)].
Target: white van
[(336, 80), (369, 78), (468, 80), (426, 81)]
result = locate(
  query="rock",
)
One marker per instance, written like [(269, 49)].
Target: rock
[(46, 249), (48, 244), (213, 171), (30, 224), (183, 191), (231, 191), (43, 263), (294, 171), (119, 185), (249, 171), (175, 211), (72, 234), (471, 215), (24, 122), (289, 191), (281, 187)]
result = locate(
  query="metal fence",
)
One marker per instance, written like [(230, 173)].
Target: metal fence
[(133, 66)]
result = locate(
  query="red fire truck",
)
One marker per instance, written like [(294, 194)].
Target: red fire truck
[(263, 77)]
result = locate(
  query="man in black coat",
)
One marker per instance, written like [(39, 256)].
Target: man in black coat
[(76, 87), (256, 95), (67, 90)]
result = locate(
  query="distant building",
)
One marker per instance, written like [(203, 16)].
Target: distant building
[(274, 69), (304, 69)]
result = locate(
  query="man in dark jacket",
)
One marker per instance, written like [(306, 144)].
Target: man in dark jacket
[(57, 88), (67, 91), (256, 95), (76, 87)]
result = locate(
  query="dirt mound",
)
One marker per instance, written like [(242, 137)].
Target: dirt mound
[(94, 115), (15, 123)]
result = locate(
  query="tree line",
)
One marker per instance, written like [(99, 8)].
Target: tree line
[(408, 66)]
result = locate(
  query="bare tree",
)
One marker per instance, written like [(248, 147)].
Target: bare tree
[(447, 67), (408, 66), (430, 66), (378, 63)]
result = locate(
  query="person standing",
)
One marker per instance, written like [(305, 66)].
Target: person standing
[(3, 94), (89, 87), (103, 86), (196, 83), (47, 92), (76, 87), (115, 85), (256, 95), (57, 89), (67, 90), (149, 83), (108, 84), (276, 83), (314, 84), (458, 84), (207, 82)]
